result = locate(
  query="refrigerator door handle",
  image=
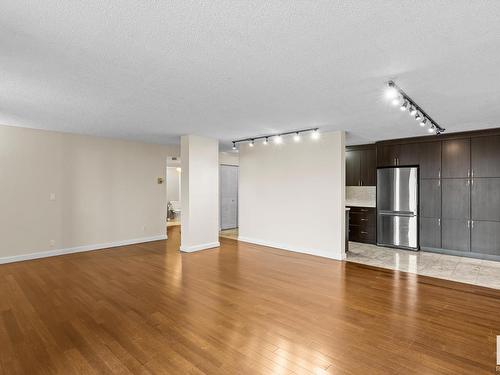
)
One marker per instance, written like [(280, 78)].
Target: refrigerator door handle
[(397, 213)]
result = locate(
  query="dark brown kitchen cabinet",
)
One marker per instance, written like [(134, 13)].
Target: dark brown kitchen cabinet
[(485, 156), (408, 154), (430, 232), (456, 199), (485, 237), (485, 199), (352, 167), (430, 159), (455, 234), (368, 168), (362, 224), (456, 158), (430, 198), (361, 168), (387, 155)]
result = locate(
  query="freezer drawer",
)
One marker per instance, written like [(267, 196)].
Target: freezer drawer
[(396, 230)]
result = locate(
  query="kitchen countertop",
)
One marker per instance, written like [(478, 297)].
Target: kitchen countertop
[(354, 203)]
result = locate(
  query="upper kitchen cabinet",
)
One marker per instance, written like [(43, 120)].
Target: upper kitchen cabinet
[(408, 154), (430, 159), (352, 167), (456, 158), (368, 168), (361, 168), (485, 156), (387, 155)]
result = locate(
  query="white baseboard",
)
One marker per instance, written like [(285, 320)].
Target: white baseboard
[(204, 246), (79, 249), (281, 246)]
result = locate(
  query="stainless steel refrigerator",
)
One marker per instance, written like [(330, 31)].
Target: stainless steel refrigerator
[(397, 207)]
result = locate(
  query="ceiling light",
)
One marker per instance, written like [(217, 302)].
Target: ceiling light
[(391, 92), (413, 111), (234, 146), (315, 134), (265, 141), (396, 101), (278, 139), (404, 106), (178, 169), (296, 137), (423, 122), (418, 117), (251, 143), (431, 129)]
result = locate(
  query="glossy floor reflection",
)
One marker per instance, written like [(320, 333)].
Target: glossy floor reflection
[(466, 270)]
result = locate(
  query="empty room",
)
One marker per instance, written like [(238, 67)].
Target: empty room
[(250, 187)]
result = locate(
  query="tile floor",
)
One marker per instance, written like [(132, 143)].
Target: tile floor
[(466, 270)]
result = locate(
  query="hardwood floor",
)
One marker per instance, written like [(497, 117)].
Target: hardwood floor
[(240, 309)]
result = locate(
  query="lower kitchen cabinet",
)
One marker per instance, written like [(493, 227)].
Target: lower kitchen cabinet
[(363, 225), (455, 234), (485, 237), (430, 232)]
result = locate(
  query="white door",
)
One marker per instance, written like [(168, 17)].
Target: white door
[(228, 196)]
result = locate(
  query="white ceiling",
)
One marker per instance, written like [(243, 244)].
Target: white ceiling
[(154, 70)]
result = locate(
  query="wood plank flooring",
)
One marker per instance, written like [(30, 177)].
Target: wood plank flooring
[(240, 309)]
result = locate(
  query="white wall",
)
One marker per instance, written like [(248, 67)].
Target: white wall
[(106, 192), (173, 184), (292, 195), (199, 193)]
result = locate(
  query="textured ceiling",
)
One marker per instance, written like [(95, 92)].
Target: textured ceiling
[(154, 70)]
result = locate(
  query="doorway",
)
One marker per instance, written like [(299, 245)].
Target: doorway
[(229, 175), (173, 187)]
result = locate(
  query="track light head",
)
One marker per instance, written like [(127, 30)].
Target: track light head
[(432, 129), (278, 139), (423, 122), (251, 144), (413, 111), (234, 145), (296, 137), (418, 117), (404, 106), (315, 134), (265, 141)]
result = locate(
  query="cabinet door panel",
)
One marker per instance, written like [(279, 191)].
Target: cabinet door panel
[(456, 158), (352, 172), (456, 199), (430, 159), (455, 234), (430, 232), (485, 156), (368, 168), (485, 238), (485, 199), (408, 154), (430, 198), (387, 155)]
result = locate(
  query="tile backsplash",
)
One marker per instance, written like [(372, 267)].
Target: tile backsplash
[(361, 194)]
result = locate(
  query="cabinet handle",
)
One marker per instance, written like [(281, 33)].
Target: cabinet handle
[(468, 182), (468, 223), (364, 219), (472, 224), (439, 173), (364, 210), (468, 173), (472, 173), (364, 232), (395, 161), (439, 222), (439, 182)]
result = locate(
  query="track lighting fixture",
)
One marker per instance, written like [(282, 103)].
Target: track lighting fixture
[(407, 103), (277, 138)]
